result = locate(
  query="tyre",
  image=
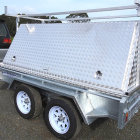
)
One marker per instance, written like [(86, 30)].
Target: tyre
[(62, 119), (27, 102)]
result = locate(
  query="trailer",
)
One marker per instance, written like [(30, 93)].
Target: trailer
[(77, 72)]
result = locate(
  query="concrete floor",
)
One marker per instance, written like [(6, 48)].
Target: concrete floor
[(13, 127)]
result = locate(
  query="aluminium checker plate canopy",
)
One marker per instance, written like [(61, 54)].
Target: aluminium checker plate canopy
[(95, 56)]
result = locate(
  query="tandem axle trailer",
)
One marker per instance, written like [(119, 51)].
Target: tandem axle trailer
[(80, 71)]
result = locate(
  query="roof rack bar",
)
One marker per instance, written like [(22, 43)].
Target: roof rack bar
[(90, 18), (32, 16), (83, 11)]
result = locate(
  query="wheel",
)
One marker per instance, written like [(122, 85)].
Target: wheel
[(27, 102), (62, 119)]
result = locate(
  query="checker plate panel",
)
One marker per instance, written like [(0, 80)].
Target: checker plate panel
[(75, 53)]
